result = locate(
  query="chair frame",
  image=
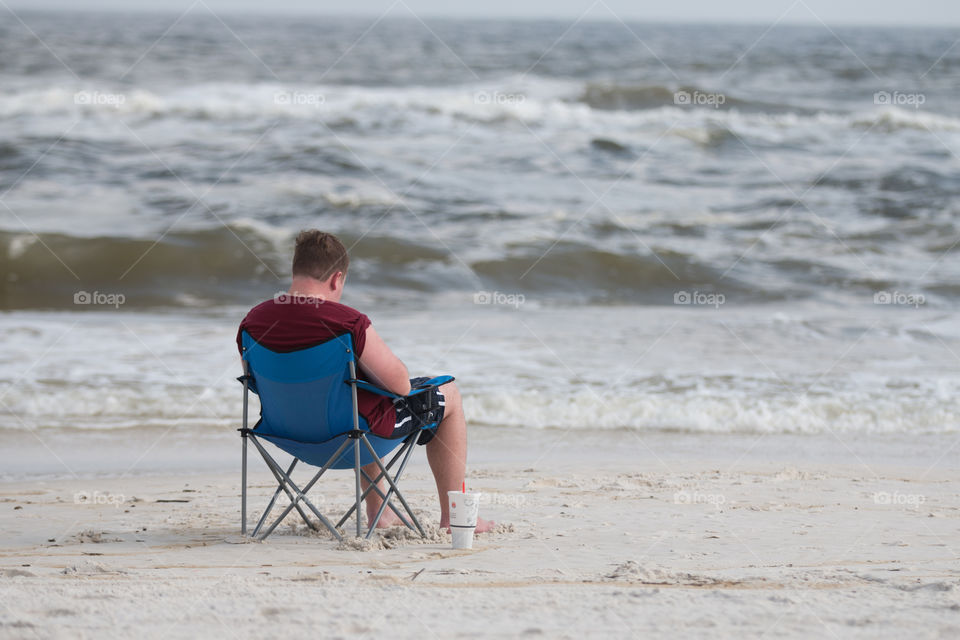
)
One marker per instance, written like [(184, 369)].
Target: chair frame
[(296, 495)]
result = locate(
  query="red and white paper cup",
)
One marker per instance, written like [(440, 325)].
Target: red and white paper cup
[(464, 509)]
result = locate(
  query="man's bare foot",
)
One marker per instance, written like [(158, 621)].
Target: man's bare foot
[(482, 525)]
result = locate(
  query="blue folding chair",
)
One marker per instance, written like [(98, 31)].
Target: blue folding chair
[(308, 408)]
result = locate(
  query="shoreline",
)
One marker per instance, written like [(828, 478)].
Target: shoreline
[(55, 454)]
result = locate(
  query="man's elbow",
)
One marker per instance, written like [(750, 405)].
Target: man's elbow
[(403, 385)]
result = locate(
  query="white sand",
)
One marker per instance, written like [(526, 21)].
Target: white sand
[(730, 542)]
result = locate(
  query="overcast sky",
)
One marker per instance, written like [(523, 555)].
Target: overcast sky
[(890, 12)]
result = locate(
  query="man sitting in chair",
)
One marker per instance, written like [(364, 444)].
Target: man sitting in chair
[(311, 314)]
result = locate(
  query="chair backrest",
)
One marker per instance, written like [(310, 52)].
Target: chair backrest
[(303, 394)]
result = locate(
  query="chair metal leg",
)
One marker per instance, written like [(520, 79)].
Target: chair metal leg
[(273, 501), (283, 480), (301, 493), (396, 479), (243, 472), (243, 491), (393, 486), (373, 487), (351, 365), (280, 477), (356, 467), (286, 484), (385, 502)]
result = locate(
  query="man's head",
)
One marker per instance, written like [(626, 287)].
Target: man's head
[(320, 264)]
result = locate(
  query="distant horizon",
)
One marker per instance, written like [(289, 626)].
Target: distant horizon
[(402, 13)]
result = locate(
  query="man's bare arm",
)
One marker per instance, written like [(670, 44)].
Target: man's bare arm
[(382, 367)]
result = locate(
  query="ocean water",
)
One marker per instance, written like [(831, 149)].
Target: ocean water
[(619, 226)]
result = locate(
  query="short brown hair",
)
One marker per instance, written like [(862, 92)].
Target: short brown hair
[(319, 255)]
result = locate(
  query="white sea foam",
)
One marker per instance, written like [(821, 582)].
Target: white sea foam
[(19, 245), (797, 371), (531, 102), (706, 411)]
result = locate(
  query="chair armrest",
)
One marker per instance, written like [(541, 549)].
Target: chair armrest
[(369, 386), (420, 388), (430, 384)]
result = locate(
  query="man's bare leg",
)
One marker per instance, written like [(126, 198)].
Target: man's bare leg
[(447, 453)]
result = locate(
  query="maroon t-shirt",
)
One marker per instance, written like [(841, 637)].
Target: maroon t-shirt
[(297, 324)]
